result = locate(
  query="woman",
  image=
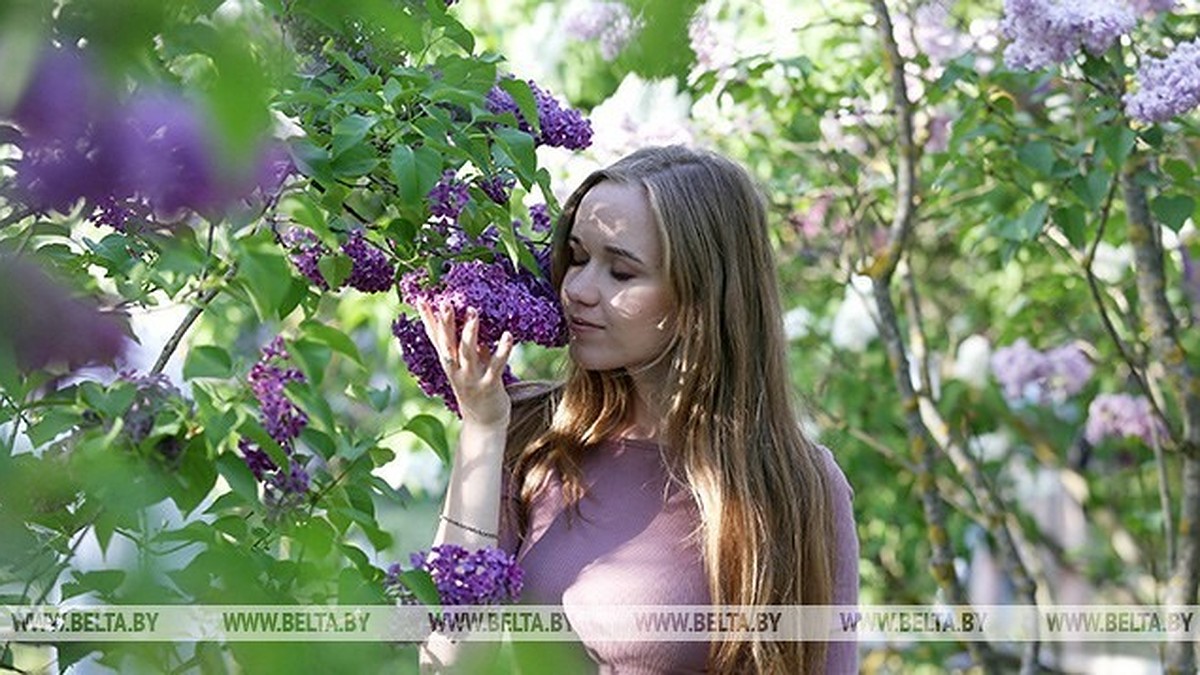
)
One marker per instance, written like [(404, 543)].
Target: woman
[(668, 468)]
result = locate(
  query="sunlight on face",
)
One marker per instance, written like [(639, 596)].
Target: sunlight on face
[(615, 295)]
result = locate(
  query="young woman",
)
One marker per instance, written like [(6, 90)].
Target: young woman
[(668, 468)]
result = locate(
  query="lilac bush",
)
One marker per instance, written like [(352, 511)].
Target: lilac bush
[(560, 127), (1027, 374), (284, 487), (371, 271), (1048, 32), (1123, 416), (607, 22), (1168, 86)]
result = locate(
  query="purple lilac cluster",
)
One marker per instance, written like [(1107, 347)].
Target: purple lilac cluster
[(283, 422), (1027, 374), (497, 187), (487, 576), (1123, 416), (1166, 87), (43, 324), (305, 251), (539, 218), (1048, 32), (517, 301), (371, 271), (606, 21), (152, 391), (448, 197), (151, 156), (1152, 6), (560, 127)]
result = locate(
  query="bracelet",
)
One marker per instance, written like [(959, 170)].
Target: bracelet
[(468, 528)]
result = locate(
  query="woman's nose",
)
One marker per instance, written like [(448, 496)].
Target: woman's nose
[(579, 286)]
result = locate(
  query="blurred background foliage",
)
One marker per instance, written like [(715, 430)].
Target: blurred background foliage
[(126, 488)]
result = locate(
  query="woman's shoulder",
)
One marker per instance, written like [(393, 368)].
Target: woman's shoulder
[(833, 470)]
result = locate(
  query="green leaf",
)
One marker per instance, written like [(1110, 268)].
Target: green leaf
[(207, 361), (54, 422), (1173, 210), (523, 96), (266, 278), (349, 132), (235, 472), (1117, 142), (415, 171), (1073, 222), (1037, 155), (429, 429), (335, 269), (421, 584), (334, 338), (355, 161), (518, 147)]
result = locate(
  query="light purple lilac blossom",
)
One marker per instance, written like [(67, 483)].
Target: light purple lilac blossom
[(371, 271), (608, 22), (1027, 374), (487, 576), (1191, 280), (1123, 416), (1152, 6), (560, 127), (1166, 87), (1048, 32)]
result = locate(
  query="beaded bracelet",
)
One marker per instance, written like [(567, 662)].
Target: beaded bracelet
[(469, 528)]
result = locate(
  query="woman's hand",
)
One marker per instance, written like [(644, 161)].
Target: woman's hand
[(475, 374)]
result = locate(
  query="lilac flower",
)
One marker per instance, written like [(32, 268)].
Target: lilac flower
[(1152, 6), (1049, 32), (484, 577), (43, 324), (274, 166), (1028, 374), (448, 197), (63, 98), (152, 394), (608, 21), (507, 299), (305, 252), (257, 460), (268, 377), (560, 127), (1167, 87), (169, 158), (539, 216), (497, 187), (1123, 416), (372, 272)]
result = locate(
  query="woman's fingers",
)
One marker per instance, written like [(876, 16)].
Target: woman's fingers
[(468, 350), (500, 357)]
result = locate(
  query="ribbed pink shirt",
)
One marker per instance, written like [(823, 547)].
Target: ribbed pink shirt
[(634, 545)]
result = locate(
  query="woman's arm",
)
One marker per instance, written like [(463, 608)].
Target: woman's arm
[(471, 511)]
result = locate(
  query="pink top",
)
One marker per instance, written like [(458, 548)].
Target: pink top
[(634, 545)]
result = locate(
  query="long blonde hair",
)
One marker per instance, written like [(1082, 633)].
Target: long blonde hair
[(763, 498)]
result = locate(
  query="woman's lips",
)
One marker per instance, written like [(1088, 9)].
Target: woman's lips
[(581, 325)]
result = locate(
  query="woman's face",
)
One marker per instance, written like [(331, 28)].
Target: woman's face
[(616, 299)]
